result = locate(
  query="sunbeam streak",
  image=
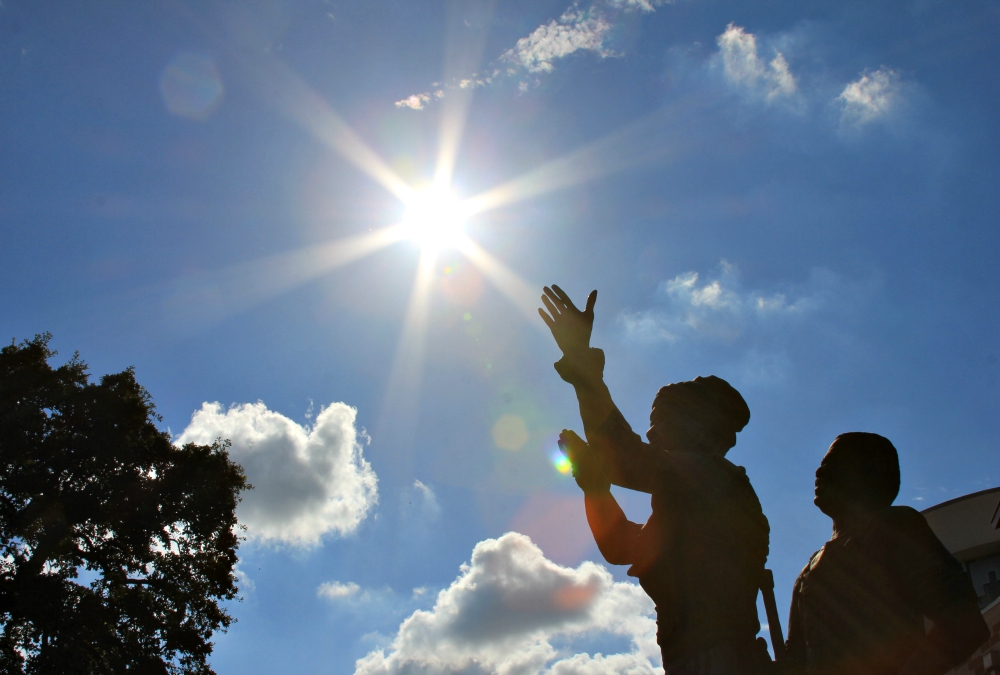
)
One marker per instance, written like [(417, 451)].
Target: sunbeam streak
[(211, 296), (279, 85), (523, 295), (397, 420), (652, 138), (467, 30)]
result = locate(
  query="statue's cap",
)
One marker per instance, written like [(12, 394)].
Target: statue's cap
[(710, 400)]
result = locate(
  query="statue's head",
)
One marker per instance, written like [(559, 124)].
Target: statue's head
[(700, 415), (859, 470)]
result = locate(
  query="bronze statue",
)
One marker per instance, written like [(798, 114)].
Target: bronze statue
[(858, 607), (701, 554)]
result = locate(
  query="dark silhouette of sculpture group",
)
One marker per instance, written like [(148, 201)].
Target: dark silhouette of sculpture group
[(882, 597)]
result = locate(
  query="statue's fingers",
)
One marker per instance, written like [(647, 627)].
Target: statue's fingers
[(546, 318), (551, 307), (563, 296), (553, 297), (591, 301)]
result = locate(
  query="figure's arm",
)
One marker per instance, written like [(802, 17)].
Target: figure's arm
[(615, 534), (624, 457), (942, 592), (794, 662)]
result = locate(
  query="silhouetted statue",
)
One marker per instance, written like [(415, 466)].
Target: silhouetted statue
[(858, 607), (701, 554)]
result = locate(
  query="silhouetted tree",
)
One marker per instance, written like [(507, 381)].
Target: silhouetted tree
[(115, 546)]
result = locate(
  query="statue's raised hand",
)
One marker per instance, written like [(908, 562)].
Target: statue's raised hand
[(570, 327), (581, 457)]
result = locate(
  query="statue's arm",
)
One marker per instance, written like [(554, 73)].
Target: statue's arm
[(794, 662), (627, 461), (941, 590), (622, 455), (616, 535)]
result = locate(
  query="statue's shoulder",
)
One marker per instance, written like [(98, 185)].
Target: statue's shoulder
[(903, 518), (734, 469), (803, 578)]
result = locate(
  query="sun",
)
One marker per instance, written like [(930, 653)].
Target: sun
[(435, 219)]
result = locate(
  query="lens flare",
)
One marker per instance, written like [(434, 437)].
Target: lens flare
[(435, 219), (561, 462)]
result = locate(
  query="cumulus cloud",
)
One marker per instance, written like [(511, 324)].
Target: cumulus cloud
[(750, 72), (869, 98), (333, 590), (717, 307), (576, 30), (506, 609), (308, 481)]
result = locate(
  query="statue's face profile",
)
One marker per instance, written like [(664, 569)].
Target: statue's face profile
[(829, 480), (838, 485)]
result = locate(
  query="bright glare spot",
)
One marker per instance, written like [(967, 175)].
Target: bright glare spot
[(561, 462), (510, 432), (435, 219)]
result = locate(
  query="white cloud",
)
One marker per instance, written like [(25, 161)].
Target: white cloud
[(308, 481), (243, 580), (418, 101), (505, 609), (643, 5), (869, 98), (716, 307), (649, 326), (576, 30), (415, 101), (333, 590), (427, 502), (744, 68)]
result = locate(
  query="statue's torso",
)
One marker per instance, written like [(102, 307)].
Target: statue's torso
[(701, 554)]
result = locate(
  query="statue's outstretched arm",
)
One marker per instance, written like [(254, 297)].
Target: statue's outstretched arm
[(625, 459), (616, 535)]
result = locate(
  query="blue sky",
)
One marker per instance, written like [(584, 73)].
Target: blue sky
[(798, 197)]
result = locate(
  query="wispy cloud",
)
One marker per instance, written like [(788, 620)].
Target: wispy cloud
[(758, 332), (423, 497), (334, 590), (871, 97), (576, 30), (750, 72), (418, 101), (716, 307), (308, 481), (506, 609)]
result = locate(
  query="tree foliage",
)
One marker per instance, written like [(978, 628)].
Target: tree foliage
[(115, 546)]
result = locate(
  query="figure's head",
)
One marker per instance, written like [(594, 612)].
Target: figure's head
[(702, 414), (859, 470)]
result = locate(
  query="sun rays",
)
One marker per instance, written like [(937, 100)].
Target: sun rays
[(434, 217)]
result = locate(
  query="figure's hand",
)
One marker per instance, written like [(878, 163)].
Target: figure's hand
[(570, 327), (586, 471)]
